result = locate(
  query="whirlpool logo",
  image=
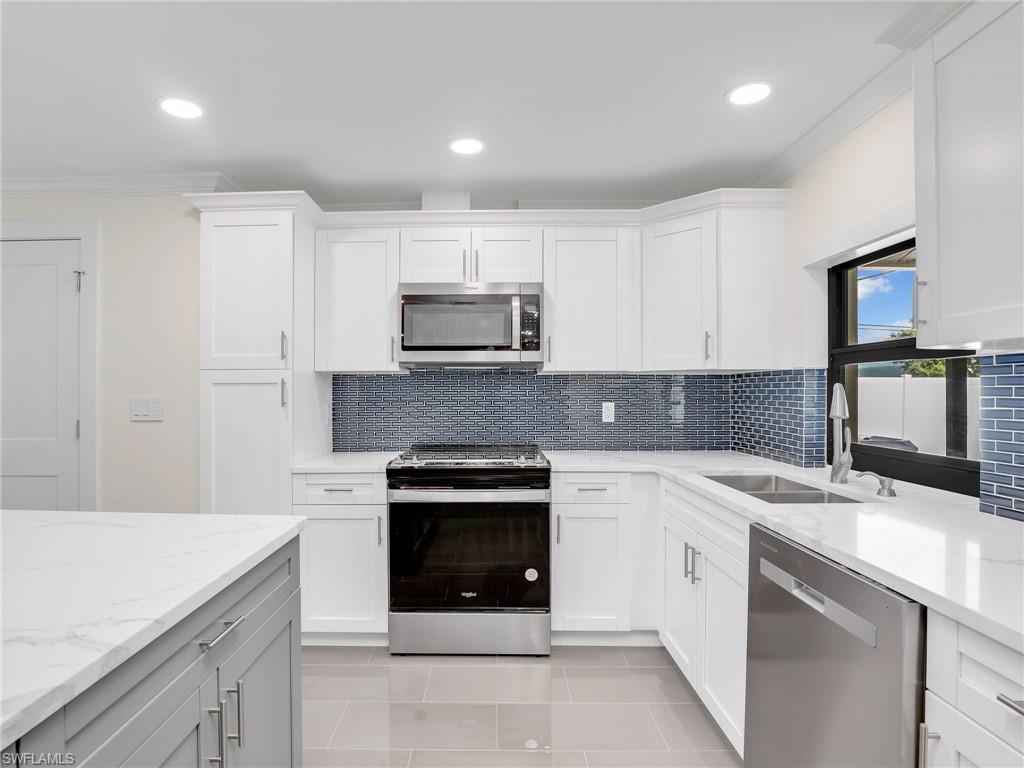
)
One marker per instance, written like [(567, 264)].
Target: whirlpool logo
[(469, 594)]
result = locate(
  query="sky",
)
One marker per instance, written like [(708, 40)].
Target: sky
[(884, 298)]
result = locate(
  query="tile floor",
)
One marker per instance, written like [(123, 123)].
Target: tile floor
[(580, 707)]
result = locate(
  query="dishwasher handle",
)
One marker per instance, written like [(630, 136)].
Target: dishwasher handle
[(838, 614)]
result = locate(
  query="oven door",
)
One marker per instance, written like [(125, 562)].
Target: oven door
[(443, 323), (469, 551)]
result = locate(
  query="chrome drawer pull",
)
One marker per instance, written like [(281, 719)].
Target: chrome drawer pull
[(222, 732), (583, 489), (923, 734), (1016, 706), (339, 490), (230, 625), (239, 691)]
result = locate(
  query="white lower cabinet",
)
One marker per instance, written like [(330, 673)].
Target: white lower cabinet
[(344, 566), (589, 578), (956, 741), (245, 442), (704, 621)]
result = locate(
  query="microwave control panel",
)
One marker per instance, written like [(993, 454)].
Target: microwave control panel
[(530, 324)]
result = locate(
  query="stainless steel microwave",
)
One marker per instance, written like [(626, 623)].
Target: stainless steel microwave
[(470, 324)]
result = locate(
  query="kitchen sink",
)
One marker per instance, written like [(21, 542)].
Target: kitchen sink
[(780, 490)]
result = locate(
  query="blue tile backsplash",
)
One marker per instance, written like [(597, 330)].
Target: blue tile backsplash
[(1002, 435), (652, 412)]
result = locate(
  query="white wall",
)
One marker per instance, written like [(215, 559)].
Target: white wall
[(857, 191), (148, 344)]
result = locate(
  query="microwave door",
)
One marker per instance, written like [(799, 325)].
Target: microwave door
[(458, 323)]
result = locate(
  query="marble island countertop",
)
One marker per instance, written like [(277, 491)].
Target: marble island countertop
[(84, 591), (932, 546)]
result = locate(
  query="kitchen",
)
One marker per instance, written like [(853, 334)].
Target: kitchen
[(349, 419)]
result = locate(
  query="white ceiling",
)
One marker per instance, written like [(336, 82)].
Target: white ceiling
[(355, 102)]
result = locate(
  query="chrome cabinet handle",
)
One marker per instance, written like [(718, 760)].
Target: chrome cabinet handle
[(558, 529), (465, 266), (687, 572), (707, 345), (392, 349), (923, 735), (595, 488), (694, 578), (477, 253), (1016, 706), (284, 345), (339, 490), (380, 532), (284, 394), (549, 349), (221, 712), (230, 626), (239, 692)]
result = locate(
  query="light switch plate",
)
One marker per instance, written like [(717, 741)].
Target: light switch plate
[(607, 412), (146, 409)]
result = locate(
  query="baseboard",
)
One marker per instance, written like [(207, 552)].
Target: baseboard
[(345, 638), (639, 637)]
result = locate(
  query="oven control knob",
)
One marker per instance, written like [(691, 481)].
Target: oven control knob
[(531, 574)]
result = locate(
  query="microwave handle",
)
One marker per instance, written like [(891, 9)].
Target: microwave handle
[(517, 322)]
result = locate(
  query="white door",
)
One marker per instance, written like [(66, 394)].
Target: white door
[(959, 742), (590, 585), (968, 121), (508, 255), (245, 442), (722, 624), (245, 289), (587, 285), (344, 568), (679, 625), (679, 288), (436, 255), (40, 325), (356, 325)]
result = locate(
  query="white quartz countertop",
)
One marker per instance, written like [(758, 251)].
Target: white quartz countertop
[(932, 546), (84, 591)]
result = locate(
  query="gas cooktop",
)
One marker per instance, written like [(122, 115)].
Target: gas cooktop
[(470, 455)]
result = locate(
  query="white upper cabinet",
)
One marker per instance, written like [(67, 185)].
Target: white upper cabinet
[(968, 123), (245, 289), (507, 255), (590, 277), (357, 276), (436, 255), (679, 293)]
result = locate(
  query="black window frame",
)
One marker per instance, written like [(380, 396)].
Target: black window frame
[(950, 473)]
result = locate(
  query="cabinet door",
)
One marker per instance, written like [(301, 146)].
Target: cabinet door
[(245, 442), (435, 255), (261, 684), (245, 289), (679, 290), (968, 121), (508, 255), (679, 594), (344, 568), (356, 325), (959, 742), (588, 300), (186, 739), (722, 628), (590, 584)]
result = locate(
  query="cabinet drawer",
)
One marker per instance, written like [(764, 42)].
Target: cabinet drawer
[(970, 670), (339, 488), (958, 741), (590, 488)]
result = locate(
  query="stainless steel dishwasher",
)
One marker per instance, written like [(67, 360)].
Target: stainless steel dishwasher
[(835, 663)]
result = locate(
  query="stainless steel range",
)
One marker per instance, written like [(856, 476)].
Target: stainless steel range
[(469, 550)]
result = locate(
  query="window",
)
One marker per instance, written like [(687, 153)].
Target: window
[(913, 413)]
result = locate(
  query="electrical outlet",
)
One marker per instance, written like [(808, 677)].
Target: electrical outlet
[(607, 412), (146, 409)]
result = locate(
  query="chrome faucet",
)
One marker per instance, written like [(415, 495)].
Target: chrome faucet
[(885, 483), (842, 460)]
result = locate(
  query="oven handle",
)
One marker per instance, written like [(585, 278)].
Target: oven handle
[(469, 496)]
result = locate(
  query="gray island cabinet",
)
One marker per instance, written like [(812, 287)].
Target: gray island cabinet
[(219, 688)]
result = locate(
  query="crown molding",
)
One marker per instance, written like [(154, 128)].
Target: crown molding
[(918, 22), (874, 96), (236, 201), (116, 186)]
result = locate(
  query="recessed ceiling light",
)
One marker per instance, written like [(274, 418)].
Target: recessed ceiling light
[(749, 93), (181, 108), (465, 146)]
